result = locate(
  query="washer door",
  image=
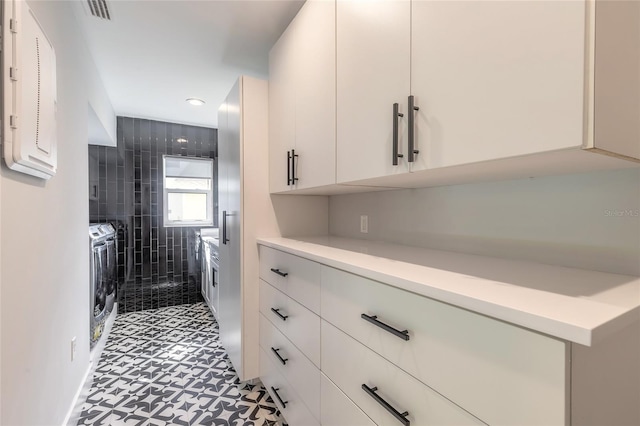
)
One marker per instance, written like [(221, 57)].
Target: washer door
[(111, 270), (100, 279)]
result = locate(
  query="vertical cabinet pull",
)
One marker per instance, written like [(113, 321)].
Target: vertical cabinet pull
[(294, 179), (275, 392), (402, 417), (225, 240), (288, 168), (373, 319), (411, 144), (395, 154), (277, 312), (282, 360)]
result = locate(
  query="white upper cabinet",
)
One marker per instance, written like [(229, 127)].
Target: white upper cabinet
[(316, 95), (302, 84), (282, 111), (502, 90), (496, 79), (373, 69)]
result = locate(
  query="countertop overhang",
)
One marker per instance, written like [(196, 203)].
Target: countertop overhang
[(577, 305)]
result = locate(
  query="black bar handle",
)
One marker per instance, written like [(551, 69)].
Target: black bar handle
[(282, 360), (373, 319), (288, 168), (402, 417), (275, 392), (395, 154), (412, 151), (224, 227), (277, 312), (294, 179), (279, 272)]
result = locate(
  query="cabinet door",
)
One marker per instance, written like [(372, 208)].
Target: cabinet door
[(230, 301), (373, 66), (496, 79), (282, 108), (223, 203), (315, 81)]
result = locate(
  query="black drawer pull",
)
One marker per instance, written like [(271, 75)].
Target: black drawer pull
[(402, 417), (373, 319), (275, 392), (277, 312), (279, 272), (395, 155), (411, 136), (282, 360), (288, 168)]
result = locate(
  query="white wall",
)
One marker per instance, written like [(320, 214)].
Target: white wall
[(567, 220), (44, 267), (102, 119)]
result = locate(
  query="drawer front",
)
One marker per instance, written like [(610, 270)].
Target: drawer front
[(301, 326), (501, 373), (338, 409), (302, 280), (295, 412), (350, 365), (296, 368)]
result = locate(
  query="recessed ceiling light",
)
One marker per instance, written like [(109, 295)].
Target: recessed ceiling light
[(195, 101), (181, 140)]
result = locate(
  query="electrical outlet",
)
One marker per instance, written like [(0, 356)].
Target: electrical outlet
[(364, 224), (73, 348)]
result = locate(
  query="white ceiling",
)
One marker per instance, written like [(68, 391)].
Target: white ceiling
[(154, 54)]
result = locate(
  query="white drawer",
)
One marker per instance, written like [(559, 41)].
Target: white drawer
[(301, 326), (302, 277), (293, 365), (338, 409), (501, 373), (293, 410), (350, 365)]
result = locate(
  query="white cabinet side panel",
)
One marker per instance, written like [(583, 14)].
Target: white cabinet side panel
[(230, 320), (258, 218), (606, 380), (617, 77)]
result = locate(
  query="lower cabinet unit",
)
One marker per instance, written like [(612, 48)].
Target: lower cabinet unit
[(379, 354)]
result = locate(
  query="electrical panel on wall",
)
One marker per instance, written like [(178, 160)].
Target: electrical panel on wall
[(29, 98)]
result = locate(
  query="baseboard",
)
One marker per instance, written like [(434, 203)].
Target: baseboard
[(77, 395), (85, 385)]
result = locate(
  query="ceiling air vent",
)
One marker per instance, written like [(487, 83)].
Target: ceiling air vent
[(99, 9)]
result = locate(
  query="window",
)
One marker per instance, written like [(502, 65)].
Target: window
[(188, 191)]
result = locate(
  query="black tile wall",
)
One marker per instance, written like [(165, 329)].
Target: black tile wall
[(156, 265)]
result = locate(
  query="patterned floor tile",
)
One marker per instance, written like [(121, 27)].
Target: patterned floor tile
[(166, 367)]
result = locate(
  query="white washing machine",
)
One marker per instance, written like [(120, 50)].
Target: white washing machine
[(103, 283)]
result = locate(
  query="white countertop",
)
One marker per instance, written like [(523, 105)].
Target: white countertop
[(577, 305)]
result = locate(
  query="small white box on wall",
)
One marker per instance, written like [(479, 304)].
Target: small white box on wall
[(29, 136)]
